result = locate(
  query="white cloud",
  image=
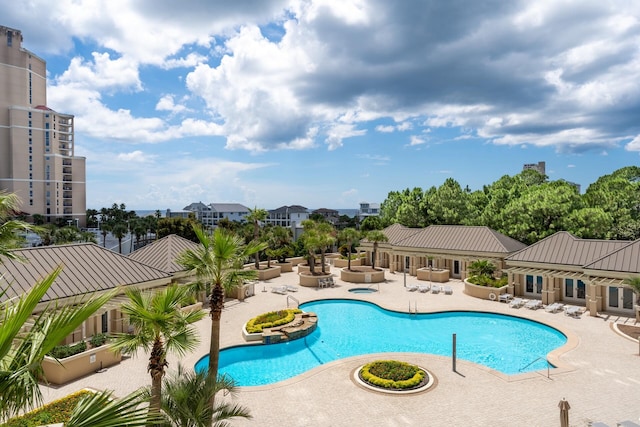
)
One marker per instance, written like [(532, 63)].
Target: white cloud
[(166, 103), (634, 145), (385, 129), (416, 140), (135, 157), (337, 133)]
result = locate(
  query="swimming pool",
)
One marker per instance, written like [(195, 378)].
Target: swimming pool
[(349, 328)]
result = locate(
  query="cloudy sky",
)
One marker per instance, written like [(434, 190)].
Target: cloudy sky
[(327, 103)]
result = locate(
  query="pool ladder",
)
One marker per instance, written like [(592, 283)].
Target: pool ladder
[(294, 300), (415, 307), (538, 358)]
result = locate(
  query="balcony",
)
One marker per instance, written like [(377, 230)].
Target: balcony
[(67, 195), (67, 171), (66, 163), (67, 187)]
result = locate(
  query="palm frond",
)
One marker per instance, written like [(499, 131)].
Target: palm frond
[(101, 410)]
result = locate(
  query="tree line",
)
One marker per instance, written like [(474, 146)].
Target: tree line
[(527, 206)]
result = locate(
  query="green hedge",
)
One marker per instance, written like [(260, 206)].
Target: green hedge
[(98, 339), (390, 366), (281, 317), (483, 280), (62, 351)]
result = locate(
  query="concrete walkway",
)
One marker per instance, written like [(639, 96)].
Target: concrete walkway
[(601, 378)]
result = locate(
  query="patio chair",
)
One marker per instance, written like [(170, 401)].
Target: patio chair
[(554, 308), (573, 311), (517, 303), (282, 290), (448, 290), (534, 304), (412, 288), (435, 289), (330, 282), (424, 288), (505, 297)]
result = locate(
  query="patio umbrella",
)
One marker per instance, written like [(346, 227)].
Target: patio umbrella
[(564, 413)]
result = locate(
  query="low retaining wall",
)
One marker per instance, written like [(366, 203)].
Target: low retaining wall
[(342, 263), (436, 275), (285, 267), (77, 366), (483, 292), (311, 281), (304, 268), (302, 325), (351, 276)]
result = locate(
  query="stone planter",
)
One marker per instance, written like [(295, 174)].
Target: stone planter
[(438, 275), (285, 267), (191, 308), (77, 366), (311, 281), (483, 292), (375, 276), (342, 263), (267, 273), (304, 268)]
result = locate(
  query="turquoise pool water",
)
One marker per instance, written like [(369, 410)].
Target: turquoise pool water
[(349, 328)]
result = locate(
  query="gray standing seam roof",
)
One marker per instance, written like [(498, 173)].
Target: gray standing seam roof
[(563, 248), (162, 253), (625, 259), (87, 268), (453, 238)]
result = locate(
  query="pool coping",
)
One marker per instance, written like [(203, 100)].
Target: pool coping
[(553, 357)]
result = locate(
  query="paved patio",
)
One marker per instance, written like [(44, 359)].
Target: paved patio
[(601, 383)]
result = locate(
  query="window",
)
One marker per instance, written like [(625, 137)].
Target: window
[(538, 284), (581, 289), (568, 288), (9, 38), (529, 283)]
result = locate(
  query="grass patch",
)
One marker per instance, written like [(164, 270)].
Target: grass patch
[(272, 319)]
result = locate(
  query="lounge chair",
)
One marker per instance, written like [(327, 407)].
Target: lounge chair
[(282, 290), (627, 423), (291, 288), (534, 304), (412, 288), (573, 311), (424, 288), (598, 424), (448, 290), (435, 289), (505, 297), (554, 308), (517, 303)]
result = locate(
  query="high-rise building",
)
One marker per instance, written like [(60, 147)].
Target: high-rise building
[(540, 167), (37, 159)]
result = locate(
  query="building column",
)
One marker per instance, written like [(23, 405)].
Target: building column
[(593, 297)]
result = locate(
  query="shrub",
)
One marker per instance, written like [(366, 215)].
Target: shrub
[(62, 351), (392, 374), (98, 339), (58, 411), (483, 280), (271, 319)]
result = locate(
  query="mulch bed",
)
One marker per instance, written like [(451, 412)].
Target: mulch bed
[(631, 331)]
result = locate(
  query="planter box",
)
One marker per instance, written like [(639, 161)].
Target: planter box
[(285, 267), (306, 279), (437, 275), (267, 273), (342, 263), (483, 292), (193, 307), (78, 365), (376, 276), (304, 268)]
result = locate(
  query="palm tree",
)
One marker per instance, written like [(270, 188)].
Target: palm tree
[(218, 260), (9, 205), (376, 236), (326, 239), (105, 228), (159, 326), (119, 230), (481, 268), (634, 283), (256, 216), (21, 353), (312, 241), (186, 400), (349, 236)]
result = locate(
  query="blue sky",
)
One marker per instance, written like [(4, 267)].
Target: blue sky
[(329, 103)]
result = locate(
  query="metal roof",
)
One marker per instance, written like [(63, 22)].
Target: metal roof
[(229, 207), (87, 268), (162, 253), (454, 238), (563, 248), (625, 259)]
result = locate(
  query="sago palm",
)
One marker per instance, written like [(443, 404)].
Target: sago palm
[(218, 260), (187, 396), (159, 326)]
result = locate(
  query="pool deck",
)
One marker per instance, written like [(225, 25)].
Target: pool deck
[(600, 374)]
